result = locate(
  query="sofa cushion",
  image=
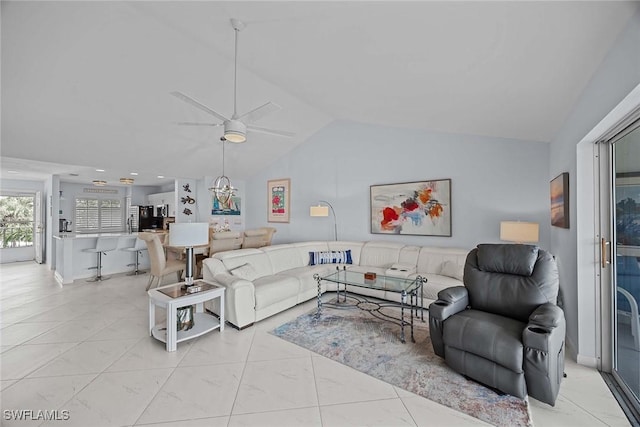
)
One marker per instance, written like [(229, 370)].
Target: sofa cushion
[(284, 257), (330, 257), (308, 284), (275, 288), (400, 270), (380, 254), (256, 257), (431, 259), (436, 283), (409, 255), (244, 271), (452, 269)]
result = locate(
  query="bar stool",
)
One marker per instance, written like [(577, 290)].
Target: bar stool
[(138, 246), (103, 245)]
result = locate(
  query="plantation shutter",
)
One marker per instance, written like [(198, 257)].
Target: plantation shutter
[(110, 215), (98, 215)]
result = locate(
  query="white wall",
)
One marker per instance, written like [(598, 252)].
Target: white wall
[(492, 180), (616, 78)]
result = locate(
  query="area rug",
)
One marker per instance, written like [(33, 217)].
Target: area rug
[(355, 338)]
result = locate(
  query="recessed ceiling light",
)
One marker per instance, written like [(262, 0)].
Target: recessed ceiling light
[(99, 170), (74, 174), (134, 173), (160, 176), (13, 172)]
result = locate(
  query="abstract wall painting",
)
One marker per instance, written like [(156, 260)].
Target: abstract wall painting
[(278, 192), (560, 200), (421, 208)]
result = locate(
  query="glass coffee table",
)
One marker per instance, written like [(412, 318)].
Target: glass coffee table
[(412, 288)]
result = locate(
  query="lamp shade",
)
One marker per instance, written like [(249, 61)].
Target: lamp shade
[(319, 211), (520, 232), (189, 234)]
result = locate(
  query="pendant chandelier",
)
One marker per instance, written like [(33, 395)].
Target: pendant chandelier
[(222, 188)]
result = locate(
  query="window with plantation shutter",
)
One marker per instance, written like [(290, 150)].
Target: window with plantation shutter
[(98, 215)]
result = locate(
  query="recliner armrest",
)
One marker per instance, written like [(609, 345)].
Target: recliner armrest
[(547, 316), (450, 301), (545, 323), (543, 340)]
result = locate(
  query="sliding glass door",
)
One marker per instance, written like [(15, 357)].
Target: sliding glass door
[(625, 259)]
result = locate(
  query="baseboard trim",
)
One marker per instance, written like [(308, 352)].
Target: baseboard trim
[(591, 362)]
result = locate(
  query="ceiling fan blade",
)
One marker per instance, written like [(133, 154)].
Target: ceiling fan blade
[(198, 124), (260, 112), (198, 105), (270, 131)]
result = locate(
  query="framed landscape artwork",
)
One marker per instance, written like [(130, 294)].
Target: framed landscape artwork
[(278, 192), (420, 208), (560, 200)]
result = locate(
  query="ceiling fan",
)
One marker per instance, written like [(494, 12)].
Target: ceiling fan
[(236, 127)]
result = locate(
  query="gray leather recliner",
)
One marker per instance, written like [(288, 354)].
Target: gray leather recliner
[(503, 327)]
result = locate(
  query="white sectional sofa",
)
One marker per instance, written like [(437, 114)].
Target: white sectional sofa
[(265, 281)]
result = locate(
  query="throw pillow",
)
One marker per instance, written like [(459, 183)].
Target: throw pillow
[(451, 269), (330, 257), (245, 271)]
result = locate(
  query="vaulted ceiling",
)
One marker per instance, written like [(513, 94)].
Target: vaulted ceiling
[(86, 85)]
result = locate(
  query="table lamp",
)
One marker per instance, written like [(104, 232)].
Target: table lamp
[(519, 232), (189, 234)]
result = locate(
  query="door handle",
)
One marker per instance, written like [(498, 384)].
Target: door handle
[(604, 252)]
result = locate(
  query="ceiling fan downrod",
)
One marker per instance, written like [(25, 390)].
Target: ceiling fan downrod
[(237, 27)]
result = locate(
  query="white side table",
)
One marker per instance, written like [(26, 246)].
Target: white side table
[(171, 297)]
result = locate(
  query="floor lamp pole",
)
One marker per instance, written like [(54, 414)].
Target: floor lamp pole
[(335, 220)]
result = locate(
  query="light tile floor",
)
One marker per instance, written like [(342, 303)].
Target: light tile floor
[(85, 348)]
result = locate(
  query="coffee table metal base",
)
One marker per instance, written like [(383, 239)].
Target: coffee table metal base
[(374, 307)]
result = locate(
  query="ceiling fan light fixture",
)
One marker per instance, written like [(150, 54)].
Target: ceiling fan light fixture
[(235, 131), (235, 127)]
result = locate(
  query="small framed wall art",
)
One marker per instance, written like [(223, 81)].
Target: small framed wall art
[(231, 207), (279, 196), (421, 208), (560, 200)]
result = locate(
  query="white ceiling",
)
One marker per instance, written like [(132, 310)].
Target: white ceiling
[(86, 85)]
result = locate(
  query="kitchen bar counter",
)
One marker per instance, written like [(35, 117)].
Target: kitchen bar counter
[(72, 263)]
